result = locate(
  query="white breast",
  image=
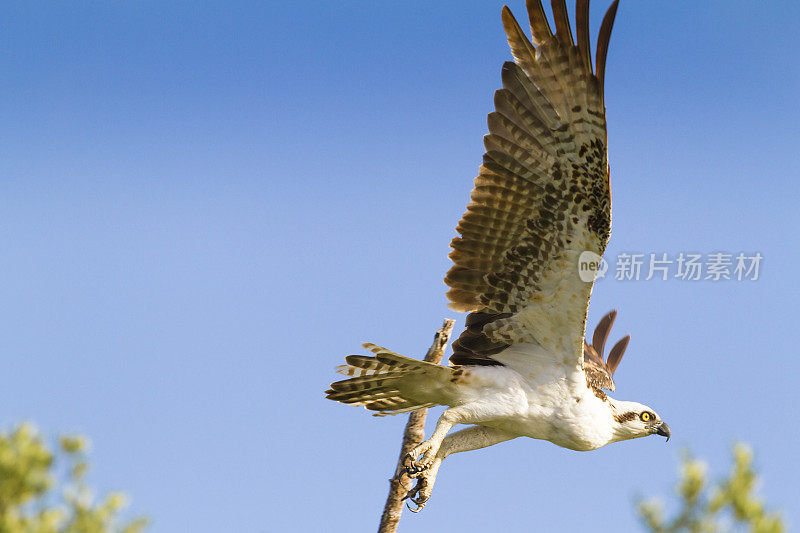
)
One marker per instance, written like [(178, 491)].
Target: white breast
[(534, 396)]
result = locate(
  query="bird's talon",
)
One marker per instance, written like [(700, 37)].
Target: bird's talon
[(414, 495), (419, 502), (411, 493)]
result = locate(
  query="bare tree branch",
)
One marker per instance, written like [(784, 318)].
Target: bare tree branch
[(414, 433)]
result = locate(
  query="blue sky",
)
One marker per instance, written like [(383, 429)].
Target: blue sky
[(207, 205)]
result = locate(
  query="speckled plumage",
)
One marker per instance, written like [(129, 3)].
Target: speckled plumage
[(541, 196)]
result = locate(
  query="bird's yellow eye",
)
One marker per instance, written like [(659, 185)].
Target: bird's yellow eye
[(645, 416)]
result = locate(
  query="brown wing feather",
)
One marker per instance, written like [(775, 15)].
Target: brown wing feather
[(473, 347), (616, 354), (603, 40), (599, 373), (602, 330), (563, 31), (541, 196), (540, 28), (582, 27)]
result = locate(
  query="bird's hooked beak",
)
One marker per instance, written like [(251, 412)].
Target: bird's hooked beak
[(663, 430)]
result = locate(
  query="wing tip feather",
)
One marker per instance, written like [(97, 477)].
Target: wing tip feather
[(615, 356), (540, 27), (603, 40), (582, 34), (561, 16)]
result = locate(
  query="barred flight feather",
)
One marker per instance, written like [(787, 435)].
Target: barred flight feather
[(542, 193), (388, 382)]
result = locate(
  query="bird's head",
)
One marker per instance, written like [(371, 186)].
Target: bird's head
[(632, 420)]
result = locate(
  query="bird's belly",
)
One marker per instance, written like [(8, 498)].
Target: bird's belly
[(548, 409), (553, 418), (553, 428)]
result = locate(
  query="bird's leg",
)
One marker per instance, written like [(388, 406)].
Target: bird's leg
[(422, 455), (471, 438)]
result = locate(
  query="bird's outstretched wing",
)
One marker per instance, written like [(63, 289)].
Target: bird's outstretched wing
[(541, 197)]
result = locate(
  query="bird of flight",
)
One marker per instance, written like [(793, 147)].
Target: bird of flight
[(542, 198)]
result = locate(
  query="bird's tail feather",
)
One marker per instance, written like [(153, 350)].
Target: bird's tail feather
[(389, 383)]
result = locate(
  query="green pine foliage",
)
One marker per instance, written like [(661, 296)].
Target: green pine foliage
[(35, 499), (729, 505)]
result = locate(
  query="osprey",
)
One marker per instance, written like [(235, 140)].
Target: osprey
[(522, 366)]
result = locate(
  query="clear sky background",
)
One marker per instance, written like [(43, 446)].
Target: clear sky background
[(207, 205)]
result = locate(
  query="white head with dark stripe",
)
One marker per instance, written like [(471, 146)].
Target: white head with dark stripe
[(633, 420)]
